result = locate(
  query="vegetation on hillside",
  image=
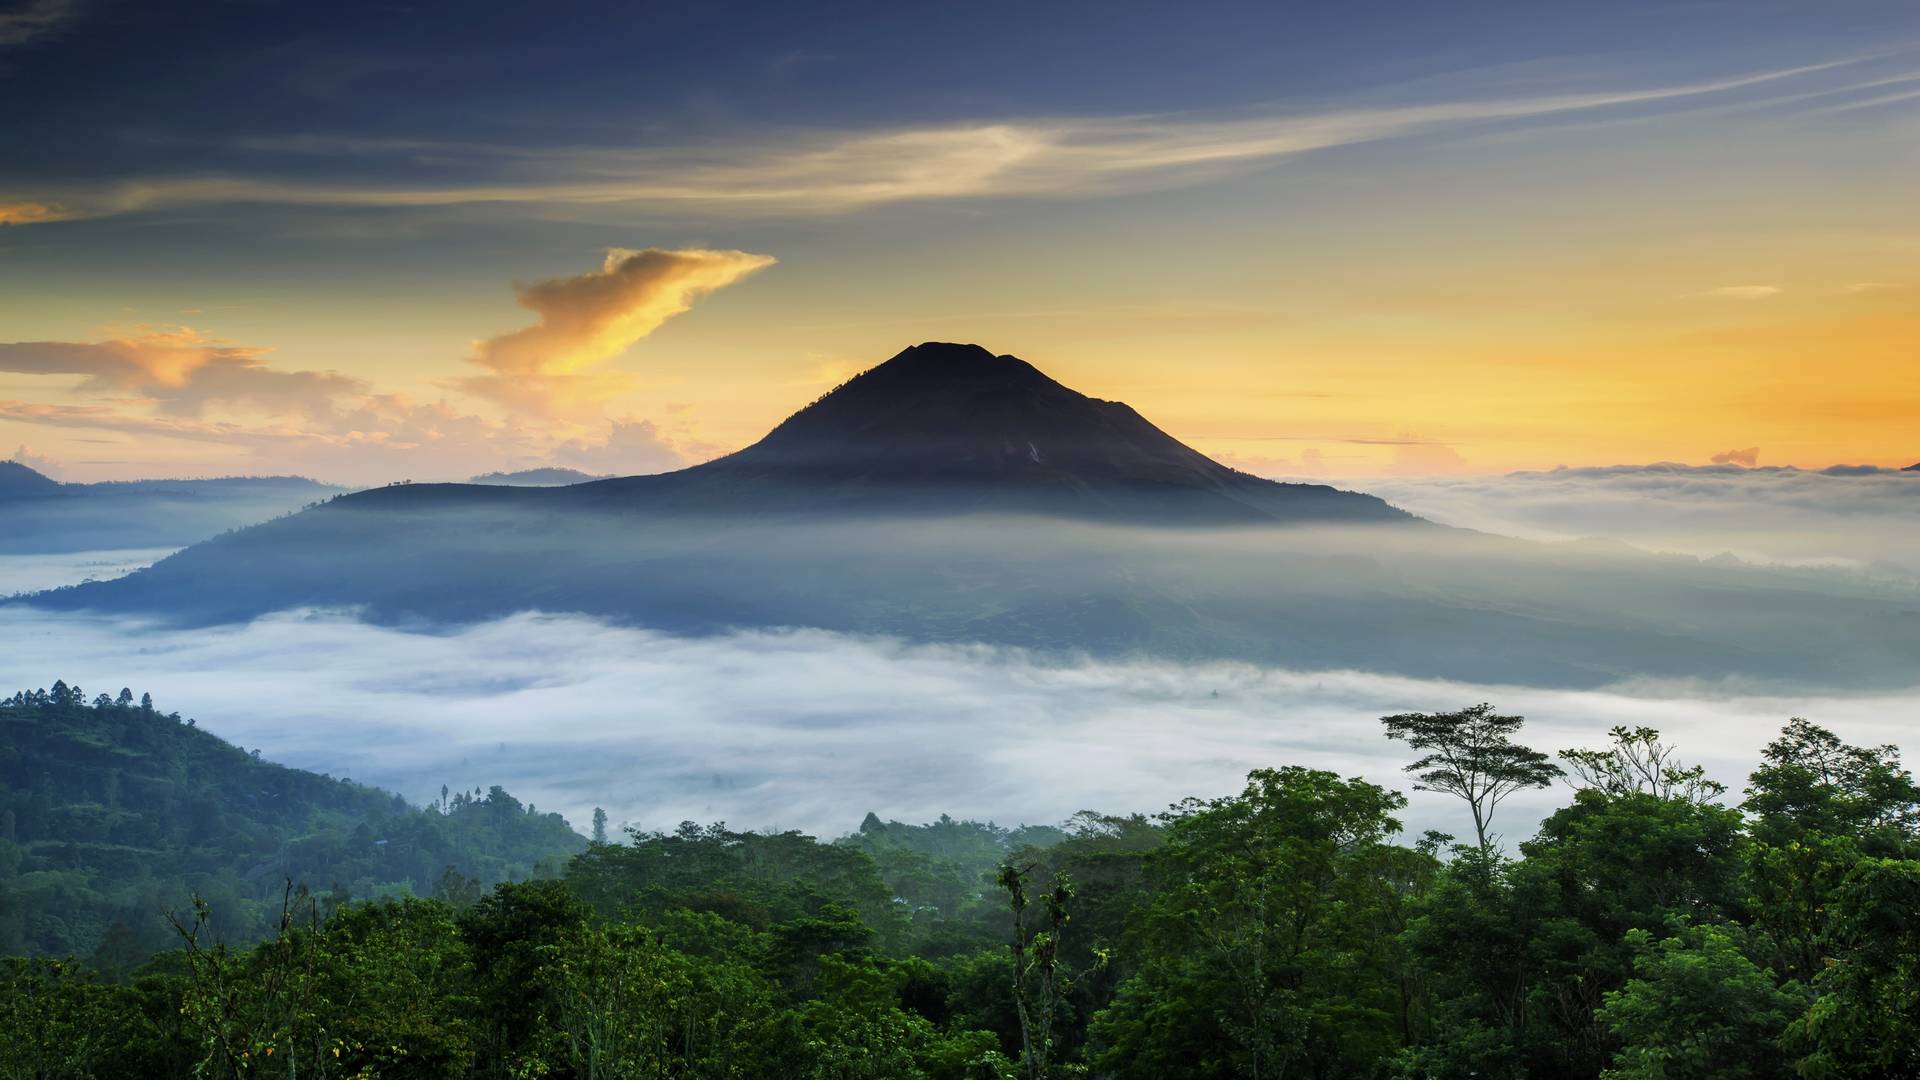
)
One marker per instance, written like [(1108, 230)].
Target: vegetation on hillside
[(112, 813), (1646, 930)]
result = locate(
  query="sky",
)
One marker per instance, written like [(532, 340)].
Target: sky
[(365, 242)]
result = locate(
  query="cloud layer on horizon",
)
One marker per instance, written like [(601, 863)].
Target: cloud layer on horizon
[(811, 730), (1855, 515)]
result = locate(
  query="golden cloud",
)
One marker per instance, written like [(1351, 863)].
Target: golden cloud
[(34, 213), (594, 316), (181, 371)]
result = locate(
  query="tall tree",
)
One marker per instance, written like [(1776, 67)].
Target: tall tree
[(1471, 754)]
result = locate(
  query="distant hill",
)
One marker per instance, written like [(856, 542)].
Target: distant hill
[(112, 813), (19, 481), (537, 478), (45, 516), (1915, 467), (952, 495)]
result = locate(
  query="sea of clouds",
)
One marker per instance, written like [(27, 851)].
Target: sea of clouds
[(810, 730), (1852, 516)]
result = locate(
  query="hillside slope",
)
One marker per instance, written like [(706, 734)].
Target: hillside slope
[(113, 813)]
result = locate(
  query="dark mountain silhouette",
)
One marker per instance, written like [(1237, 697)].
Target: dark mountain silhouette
[(946, 428), (17, 481), (1915, 467), (949, 427), (954, 495)]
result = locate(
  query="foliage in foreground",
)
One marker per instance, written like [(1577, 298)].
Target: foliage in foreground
[(1644, 931)]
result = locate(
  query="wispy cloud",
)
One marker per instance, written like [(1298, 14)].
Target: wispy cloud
[(1748, 457), (1744, 292), (594, 316), (35, 213), (840, 172), (34, 20)]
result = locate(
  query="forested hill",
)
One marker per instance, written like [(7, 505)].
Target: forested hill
[(112, 813)]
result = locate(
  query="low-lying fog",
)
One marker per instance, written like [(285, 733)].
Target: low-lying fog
[(811, 730), (1845, 515), (32, 573)]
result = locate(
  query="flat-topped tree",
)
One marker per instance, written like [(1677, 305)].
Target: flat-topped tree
[(1472, 755)]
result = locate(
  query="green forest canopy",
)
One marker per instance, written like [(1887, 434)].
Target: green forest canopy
[(112, 813), (1647, 929)]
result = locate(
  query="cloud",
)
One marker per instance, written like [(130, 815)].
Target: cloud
[(1872, 287), (164, 382), (34, 213), (382, 437), (836, 173), (1415, 457), (32, 21), (1748, 457), (594, 316), (811, 730), (180, 371), (1744, 292), (1841, 517), (632, 447), (45, 466)]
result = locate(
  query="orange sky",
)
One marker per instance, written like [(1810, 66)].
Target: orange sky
[(1706, 270)]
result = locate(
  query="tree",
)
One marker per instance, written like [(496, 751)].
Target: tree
[(1273, 948), (1697, 1007), (1812, 782), (599, 826), (1039, 985), (1865, 1019), (1638, 762), (1472, 755)]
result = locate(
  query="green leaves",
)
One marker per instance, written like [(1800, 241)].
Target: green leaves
[(1472, 755)]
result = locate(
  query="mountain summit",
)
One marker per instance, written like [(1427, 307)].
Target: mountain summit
[(953, 427), (945, 411)]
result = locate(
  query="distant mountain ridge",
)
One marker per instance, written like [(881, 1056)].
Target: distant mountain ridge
[(544, 477), (46, 516)]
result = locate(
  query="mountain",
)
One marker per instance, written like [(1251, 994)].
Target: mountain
[(536, 478), (1915, 467), (112, 813), (954, 428), (45, 516), (17, 481), (952, 495)]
